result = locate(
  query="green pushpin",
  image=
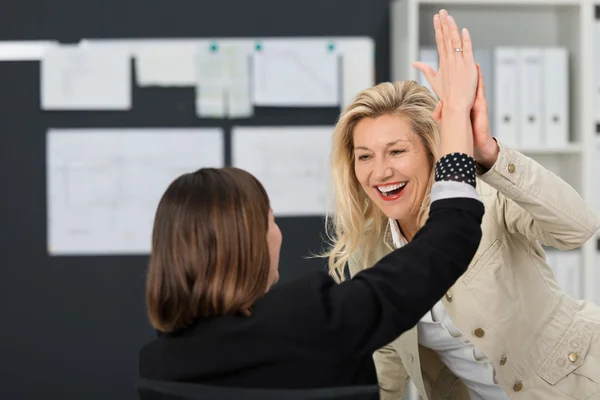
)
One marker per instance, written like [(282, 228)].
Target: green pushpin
[(331, 47), (258, 47), (214, 47)]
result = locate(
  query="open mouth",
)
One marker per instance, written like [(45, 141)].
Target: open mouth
[(391, 191)]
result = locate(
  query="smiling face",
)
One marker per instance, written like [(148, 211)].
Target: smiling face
[(392, 165)]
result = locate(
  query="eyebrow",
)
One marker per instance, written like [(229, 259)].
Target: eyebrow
[(387, 144)]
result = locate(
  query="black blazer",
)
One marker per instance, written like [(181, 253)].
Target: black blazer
[(314, 332)]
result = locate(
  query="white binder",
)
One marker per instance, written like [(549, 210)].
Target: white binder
[(556, 96), (597, 69), (506, 95), (529, 126)]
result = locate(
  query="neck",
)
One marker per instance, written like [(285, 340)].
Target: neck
[(408, 228)]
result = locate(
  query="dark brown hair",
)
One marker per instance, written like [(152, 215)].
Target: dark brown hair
[(209, 248)]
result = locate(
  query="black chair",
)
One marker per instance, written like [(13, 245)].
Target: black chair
[(160, 390)]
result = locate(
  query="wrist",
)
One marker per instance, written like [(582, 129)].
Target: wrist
[(456, 109), (456, 134), (487, 155)]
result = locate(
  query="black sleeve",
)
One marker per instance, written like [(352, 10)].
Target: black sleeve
[(382, 302), (359, 316)]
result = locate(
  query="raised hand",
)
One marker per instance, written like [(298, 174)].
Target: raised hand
[(456, 83), (456, 80), (486, 149)]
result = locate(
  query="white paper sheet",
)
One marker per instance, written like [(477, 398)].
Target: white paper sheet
[(166, 64), (211, 102), (358, 66), (305, 74), (223, 72), (31, 50), (356, 56), (239, 101), (291, 162), (75, 78), (104, 184)]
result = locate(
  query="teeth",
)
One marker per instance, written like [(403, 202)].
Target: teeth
[(389, 188)]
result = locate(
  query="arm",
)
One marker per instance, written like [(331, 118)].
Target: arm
[(382, 302), (537, 204), (534, 202)]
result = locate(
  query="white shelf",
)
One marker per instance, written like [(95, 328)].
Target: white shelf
[(570, 149), (541, 23), (524, 3)]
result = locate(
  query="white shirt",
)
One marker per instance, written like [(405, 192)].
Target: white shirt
[(437, 332)]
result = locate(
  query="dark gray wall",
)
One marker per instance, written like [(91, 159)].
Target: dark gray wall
[(71, 327)]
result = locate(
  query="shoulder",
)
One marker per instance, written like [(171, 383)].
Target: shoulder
[(283, 298), (366, 255)]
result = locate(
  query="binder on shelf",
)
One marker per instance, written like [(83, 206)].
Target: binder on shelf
[(506, 95), (597, 69), (529, 126), (555, 84), (596, 173)]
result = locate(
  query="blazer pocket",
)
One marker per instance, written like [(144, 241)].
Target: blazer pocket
[(481, 261), (565, 368)]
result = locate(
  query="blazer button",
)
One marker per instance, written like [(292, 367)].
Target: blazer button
[(479, 332), (573, 357), (449, 296), (511, 168), (518, 387), (503, 360)]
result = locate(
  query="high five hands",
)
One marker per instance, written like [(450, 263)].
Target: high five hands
[(459, 82)]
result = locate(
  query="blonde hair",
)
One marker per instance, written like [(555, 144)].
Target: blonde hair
[(357, 224)]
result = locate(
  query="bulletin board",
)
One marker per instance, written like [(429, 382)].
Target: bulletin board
[(73, 325)]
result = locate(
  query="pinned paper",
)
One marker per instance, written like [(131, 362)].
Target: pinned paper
[(291, 162), (223, 73), (75, 78), (166, 64), (305, 74), (104, 185)]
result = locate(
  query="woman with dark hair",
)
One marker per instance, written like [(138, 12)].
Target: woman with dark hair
[(215, 255)]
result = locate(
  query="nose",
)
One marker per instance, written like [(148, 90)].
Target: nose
[(382, 171)]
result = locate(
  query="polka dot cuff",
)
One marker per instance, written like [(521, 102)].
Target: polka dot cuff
[(457, 167)]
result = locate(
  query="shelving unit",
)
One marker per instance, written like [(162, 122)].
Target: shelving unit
[(493, 23), (596, 87)]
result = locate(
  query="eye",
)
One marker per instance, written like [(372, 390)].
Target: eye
[(397, 152), (363, 157)]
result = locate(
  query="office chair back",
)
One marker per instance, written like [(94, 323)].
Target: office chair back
[(161, 390)]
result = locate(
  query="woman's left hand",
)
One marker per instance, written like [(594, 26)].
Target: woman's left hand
[(485, 147)]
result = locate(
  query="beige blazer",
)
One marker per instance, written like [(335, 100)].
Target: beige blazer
[(543, 344)]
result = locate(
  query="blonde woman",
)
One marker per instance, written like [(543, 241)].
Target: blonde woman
[(505, 329)]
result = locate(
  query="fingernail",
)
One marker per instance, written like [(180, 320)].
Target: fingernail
[(450, 18)]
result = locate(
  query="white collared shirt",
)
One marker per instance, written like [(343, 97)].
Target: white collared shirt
[(437, 332)]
